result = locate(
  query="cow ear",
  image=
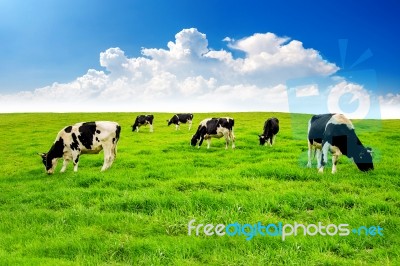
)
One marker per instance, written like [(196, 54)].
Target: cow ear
[(41, 154)]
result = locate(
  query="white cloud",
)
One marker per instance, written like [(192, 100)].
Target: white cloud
[(390, 105), (114, 60), (188, 43), (188, 75), (276, 56), (307, 91)]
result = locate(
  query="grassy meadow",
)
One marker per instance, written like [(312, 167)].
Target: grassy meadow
[(137, 212)]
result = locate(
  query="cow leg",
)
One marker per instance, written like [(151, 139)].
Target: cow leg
[(110, 152), (190, 124), (335, 157), (208, 143), (151, 128), (226, 140), (334, 162), (324, 159), (319, 157), (232, 136), (76, 162), (108, 157), (310, 147), (137, 128), (273, 140), (65, 164), (67, 157), (111, 156), (176, 126)]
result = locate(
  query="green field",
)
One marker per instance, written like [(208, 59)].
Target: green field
[(137, 212)]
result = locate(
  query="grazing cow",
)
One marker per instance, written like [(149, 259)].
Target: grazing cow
[(143, 120), (214, 128), (335, 133), (181, 118), (271, 128), (82, 138)]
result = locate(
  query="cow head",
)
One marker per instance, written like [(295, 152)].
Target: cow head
[(169, 122), (49, 163), (262, 139), (134, 126), (363, 160), (194, 140)]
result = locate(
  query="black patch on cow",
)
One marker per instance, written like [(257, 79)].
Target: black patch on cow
[(86, 134), (322, 159), (212, 126), (349, 144), (197, 135), (56, 151), (75, 144), (97, 139), (68, 129), (98, 131), (317, 127), (118, 132), (77, 159), (201, 131), (345, 139), (227, 123)]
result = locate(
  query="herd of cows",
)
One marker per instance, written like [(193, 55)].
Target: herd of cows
[(326, 133)]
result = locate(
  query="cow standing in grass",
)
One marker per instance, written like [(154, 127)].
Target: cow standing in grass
[(181, 118), (214, 128), (83, 138), (271, 128), (143, 120), (335, 133)]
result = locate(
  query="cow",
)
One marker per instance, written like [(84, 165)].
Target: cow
[(83, 138), (143, 120), (335, 133), (181, 118), (271, 128), (214, 128)]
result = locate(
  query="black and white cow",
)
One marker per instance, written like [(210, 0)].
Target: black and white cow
[(83, 138), (271, 128), (143, 120), (181, 118), (335, 133), (214, 128)]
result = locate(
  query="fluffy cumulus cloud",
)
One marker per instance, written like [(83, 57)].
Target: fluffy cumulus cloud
[(188, 76)]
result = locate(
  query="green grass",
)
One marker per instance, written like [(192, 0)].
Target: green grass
[(137, 212)]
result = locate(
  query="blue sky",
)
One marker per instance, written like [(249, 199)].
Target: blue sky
[(43, 42)]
